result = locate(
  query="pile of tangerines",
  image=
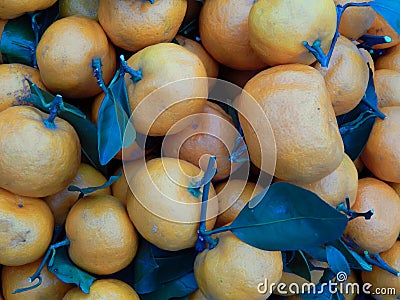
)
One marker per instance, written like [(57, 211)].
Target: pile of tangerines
[(257, 45)]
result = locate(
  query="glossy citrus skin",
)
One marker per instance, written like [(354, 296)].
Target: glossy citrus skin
[(355, 20), (161, 206), (104, 289), (387, 84), (277, 29), (379, 278), (26, 228), (297, 104), (381, 231), (14, 278), (162, 64), (36, 161), (211, 132), (233, 269), (76, 40), (233, 195), (228, 44), (208, 61), (61, 203), (334, 188), (10, 9), (346, 76), (134, 25), (14, 88), (382, 28), (79, 8), (103, 239), (391, 59), (381, 154)]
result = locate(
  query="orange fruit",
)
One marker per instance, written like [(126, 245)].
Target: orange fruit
[(355, 21), (11, 9), (359, 165), (381, 231), (197, 295), (134, 25), (208, 61), (380, 279), (134, 151), (162, 207), (14, 278), (79, 8), (14, 88), (103, 239), (35, 160), (381, 154), (104, 289), (278, 28), (338, 185), (346, 76), (65, 53), (224, 32), (296, 103), (391, 59), (2, 26), (382, 28), (26, 229), (396, 187), (233, 195), (61, 203), (233, 269), (154, 109), (212, 132), (387, 84)]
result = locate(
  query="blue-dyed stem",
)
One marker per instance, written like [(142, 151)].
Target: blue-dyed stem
[(136, 75), (98, 73), (55, 106), (377, 112), (37, 275), (316, 49), (351, 213), (377, 260)]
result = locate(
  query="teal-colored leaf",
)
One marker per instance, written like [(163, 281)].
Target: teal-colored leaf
[(66, 271), (317, 252), (389, 10), (288, 217), (336, 260), (181, 287), (115, 130), (355, 260), (153, 267), (89, 190), (297, 263), (86, 130)]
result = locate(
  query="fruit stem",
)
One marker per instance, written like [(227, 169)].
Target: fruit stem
[(98, 73), (377, 260), (369, 40), (377, 112), (50, 253), (136, 75), (54, 108), (238, 152), (351, 213), (316, 50)]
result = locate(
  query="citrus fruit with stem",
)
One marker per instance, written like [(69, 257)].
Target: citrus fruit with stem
[(39, 155), (381, 27), (26, 229)]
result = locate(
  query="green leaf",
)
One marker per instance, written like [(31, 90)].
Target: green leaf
[(181, 287), (153, 267), (86, 130), (336, 260), (115, 129), (298, 264), (389, 10), (355, 260), (89, 190), (66, 271), (288, 217)]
